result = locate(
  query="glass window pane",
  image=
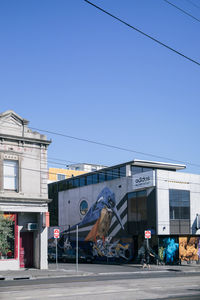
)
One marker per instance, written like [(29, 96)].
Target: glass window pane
[(70, 182), (146, 169), (132, 212), (60, 176), (115, 173), (95, 178), (89, 179), (9, 183), (135, 170), (10, 174), (76, 182), (179, 201), (109, 174), (142, 209), (102, 176), (82, 181), (185, 213), (10, 167), (122, 171), (132, 195)]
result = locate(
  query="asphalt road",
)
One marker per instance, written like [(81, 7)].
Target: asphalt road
[(149, 285)]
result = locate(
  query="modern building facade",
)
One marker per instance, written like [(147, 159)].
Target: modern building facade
[(23, 193), (113, 207)]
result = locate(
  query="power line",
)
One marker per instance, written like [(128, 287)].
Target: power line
[(49, 159), (108, 172), (53, 158), (143, 33), (194, 4), (114, 147), (110, 146), (182, 10)]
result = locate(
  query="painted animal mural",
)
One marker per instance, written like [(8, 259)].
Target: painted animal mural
[(99, 216)]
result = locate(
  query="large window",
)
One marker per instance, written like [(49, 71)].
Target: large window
[(136, 170), (10, 175), (179, 201), (137, 212), (60, 176)]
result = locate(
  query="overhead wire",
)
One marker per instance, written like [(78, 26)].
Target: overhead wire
[(35, 147), (143, 33), (104, 171), (52, 160), (182, 10), (194, 4), (114, 174), (114, 147)]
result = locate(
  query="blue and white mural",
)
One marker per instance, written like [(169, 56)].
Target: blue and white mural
[(101, 213), (102, 219)]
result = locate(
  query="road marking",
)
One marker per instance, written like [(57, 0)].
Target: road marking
[(25, 297), (110, 291), (124, 273), (56, 295)]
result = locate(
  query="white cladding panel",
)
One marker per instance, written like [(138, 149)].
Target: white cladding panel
[(166, 180)]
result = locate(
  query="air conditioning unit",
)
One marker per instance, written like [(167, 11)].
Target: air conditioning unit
[(31, 226)]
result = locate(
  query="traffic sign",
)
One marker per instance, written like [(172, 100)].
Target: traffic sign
[(56, 233), (147, 234)]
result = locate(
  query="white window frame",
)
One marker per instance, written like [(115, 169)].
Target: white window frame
[(11, 175)]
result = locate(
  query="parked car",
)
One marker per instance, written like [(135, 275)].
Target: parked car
[(52, 254), (70, 256)]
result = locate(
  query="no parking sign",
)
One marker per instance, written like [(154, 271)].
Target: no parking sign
[(56, 233), (147, 234)]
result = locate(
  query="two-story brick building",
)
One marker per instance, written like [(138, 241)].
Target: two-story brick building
[(23, 192)]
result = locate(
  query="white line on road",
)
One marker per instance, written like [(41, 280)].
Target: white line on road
[(125, 273), (25, 297), (56, 295)]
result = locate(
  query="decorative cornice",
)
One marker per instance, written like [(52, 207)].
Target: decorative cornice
[(24, 200), (24, 139)]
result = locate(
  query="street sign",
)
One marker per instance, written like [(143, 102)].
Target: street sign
[(56, 233), (147, 234)]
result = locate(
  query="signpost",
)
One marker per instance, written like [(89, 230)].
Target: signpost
[(147, 235), (56, 235)]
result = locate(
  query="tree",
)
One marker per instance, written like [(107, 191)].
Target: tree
[(6, 233)]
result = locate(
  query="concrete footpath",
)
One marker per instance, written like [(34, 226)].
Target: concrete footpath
[(69, 270)]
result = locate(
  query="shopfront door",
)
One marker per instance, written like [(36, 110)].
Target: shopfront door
[(26, 249)]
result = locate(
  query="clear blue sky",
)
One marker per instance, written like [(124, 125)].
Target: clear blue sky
[(69, 68)]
